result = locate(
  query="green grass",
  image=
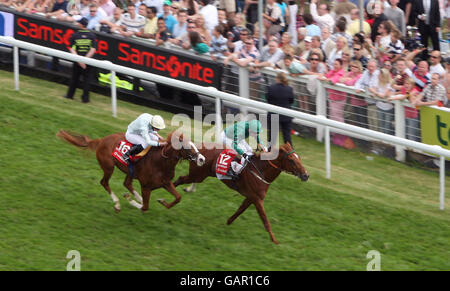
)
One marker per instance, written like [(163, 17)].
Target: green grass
[(51, 202)]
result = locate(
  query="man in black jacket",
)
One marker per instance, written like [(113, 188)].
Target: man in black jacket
[(429, 22), (280, 94), (83, 43)]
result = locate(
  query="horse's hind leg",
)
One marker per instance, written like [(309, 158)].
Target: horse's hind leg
[(171, 188), (107, 173), (245, 204), (128, 183)]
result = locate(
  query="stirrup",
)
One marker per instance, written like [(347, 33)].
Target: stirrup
[(232, 174)]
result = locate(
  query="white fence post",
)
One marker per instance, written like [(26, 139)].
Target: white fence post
[(321, 108), (113, 93), (16, 67), (399, 130), (327, 152), (244, 87), (218, 119)]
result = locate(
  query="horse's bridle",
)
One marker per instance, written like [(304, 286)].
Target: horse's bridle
[(189, 156), (287, 156)]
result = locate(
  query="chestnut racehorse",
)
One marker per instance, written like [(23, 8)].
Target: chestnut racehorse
[(154, 170), (254, 180)]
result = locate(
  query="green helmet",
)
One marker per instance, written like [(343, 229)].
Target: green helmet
[(254, 126)]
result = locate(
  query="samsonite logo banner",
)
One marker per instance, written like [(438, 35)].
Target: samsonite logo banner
[(122, 51), (435, 126)]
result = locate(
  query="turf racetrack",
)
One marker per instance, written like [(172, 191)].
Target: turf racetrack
[(51, 202)]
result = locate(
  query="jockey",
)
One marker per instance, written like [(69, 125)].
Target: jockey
[(143, 132), (234, 137)]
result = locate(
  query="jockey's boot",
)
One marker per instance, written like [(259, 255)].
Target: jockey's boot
[(234, 170), (135, 149)]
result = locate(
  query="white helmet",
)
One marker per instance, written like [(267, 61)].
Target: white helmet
[(158, 122)]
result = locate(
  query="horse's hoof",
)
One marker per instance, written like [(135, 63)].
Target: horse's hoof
[(116, 209), (163, 202), (144, 210), (127, 196)]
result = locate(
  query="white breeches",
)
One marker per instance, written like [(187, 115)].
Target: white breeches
[(136, 139), (243, 145)]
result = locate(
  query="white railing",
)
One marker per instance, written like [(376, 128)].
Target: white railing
[(222, 96)]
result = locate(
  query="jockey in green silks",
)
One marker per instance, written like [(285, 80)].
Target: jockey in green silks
[(234, 137)]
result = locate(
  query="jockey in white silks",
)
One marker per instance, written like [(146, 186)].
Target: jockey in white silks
[(143, 132)]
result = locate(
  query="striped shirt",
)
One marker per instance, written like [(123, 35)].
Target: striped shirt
[(432, 93), (421, 81), (133, 24), (218, 45)]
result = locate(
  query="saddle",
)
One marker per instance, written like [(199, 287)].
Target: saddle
[(224, 165), (123, 147)]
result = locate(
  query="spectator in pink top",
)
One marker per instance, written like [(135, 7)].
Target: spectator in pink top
[(412, 124), (337, 99), (359, 105), (108, 6)]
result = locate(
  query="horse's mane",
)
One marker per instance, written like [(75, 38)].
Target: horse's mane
[(284, 147), (175, 132)]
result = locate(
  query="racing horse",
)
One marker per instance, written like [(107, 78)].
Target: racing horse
[(154, 170), (254, 180)]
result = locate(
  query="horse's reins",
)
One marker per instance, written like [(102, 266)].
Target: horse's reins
[(270, 163), (259, 171), (163, 155)]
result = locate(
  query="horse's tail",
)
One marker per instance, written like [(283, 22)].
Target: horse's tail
[(78, 140)]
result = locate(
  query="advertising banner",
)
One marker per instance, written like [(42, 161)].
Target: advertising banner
[(435, 126), (122, 51)]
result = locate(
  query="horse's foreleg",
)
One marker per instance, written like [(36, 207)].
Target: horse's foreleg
[(182, 180), (105, 183), (185, 180), (172, 190), (262, 213), (190, 188), (245, 204), (128, 183)]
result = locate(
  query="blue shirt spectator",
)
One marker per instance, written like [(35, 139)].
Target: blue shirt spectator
[(167, 16)]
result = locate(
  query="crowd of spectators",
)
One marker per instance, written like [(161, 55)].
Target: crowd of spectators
[(319, 39)]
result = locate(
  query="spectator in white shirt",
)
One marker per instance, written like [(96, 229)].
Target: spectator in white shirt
[(210, 15), (435, 64), (321, 14), (114, 21)]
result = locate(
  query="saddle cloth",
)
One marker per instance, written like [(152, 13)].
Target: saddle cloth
[(224, 161), (123, 147)]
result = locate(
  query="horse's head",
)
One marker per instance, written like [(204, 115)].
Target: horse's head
[(289, 161), (185, 148)]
